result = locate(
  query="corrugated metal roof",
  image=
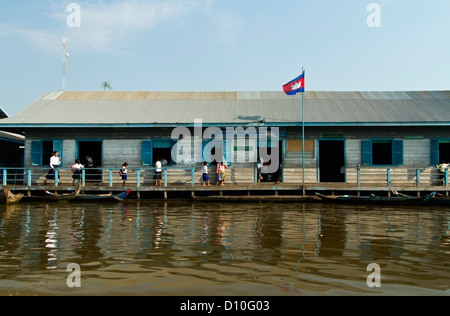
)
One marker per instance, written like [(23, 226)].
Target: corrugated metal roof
[(140, 108)]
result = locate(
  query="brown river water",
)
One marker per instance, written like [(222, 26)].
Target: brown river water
[(262, 249)]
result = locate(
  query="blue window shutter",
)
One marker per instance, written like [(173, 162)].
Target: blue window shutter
[(58, 146), (36, 153), (434, 152), (367, 152), (147, 153), (397, 152), (163, 144)]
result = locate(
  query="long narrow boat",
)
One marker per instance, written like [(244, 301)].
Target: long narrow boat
[(377, 200), (437, 200), (254, 198), (103, 197), (54, 196)]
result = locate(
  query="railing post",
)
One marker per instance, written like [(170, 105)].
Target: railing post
[(165, 178), (5, 177), (358, 175), (193, 176), (418, 177), (83, 177), (446, 177), (56, 177), (389, 177), (29, 174), (110, 176), (138, 178)]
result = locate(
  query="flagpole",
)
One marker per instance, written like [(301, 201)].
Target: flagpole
[(303, 141)]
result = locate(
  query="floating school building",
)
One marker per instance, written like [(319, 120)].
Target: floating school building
[(352, 138)]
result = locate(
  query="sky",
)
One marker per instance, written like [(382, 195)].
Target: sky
[(221, 45)]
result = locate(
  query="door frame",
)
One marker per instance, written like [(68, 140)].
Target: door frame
[(77, 149), (344, 141)]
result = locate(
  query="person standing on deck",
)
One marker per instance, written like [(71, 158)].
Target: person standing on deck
[(55, 162), (221, 171), (124, 173), (76, 168), (205, 171), (158, 174), (260, 165)]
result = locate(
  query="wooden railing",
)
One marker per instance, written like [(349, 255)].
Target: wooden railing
[(360, 176)]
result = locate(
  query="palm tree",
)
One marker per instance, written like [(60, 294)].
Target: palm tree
[(107, 85)]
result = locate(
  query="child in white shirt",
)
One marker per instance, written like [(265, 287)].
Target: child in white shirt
[(206, 179)]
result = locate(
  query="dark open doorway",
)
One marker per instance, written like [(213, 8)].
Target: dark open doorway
[(278, 165), (332, 160), (444, 153), (90, 154), (161, 154), (93, 149)]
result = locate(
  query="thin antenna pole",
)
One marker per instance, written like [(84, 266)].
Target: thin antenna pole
[(64, 63), (303, 141)]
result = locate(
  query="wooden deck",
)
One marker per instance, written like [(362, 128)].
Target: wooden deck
[(259, 191)]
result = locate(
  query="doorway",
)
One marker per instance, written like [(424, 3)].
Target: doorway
[(444, 152), (93, 149), (332, 161), (90, 154), (275, 149)]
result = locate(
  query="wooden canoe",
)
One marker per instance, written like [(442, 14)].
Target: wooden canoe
[(54, 196), (103, 197), (376, 200), (254, 198)]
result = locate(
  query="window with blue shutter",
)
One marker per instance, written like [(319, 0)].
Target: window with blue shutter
[(41, 151), (147, 153), (58, 146), (382, 152), (397, 152), (434, 152), (36, 153), (440, 151), (367, 152)]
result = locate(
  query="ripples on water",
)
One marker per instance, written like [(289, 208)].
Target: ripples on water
[(222, 249)]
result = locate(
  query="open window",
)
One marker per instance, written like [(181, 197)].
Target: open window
[(42, 150), (440, 151), (154, 150), (382, 152)]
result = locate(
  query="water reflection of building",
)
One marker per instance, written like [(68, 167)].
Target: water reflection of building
[(165, 237)]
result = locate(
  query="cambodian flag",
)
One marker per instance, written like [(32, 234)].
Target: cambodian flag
[(295, 86)]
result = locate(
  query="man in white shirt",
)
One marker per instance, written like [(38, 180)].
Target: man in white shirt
[(55, 162)]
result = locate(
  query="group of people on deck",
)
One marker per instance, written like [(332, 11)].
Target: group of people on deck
[(221, 169), (55, 162)]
